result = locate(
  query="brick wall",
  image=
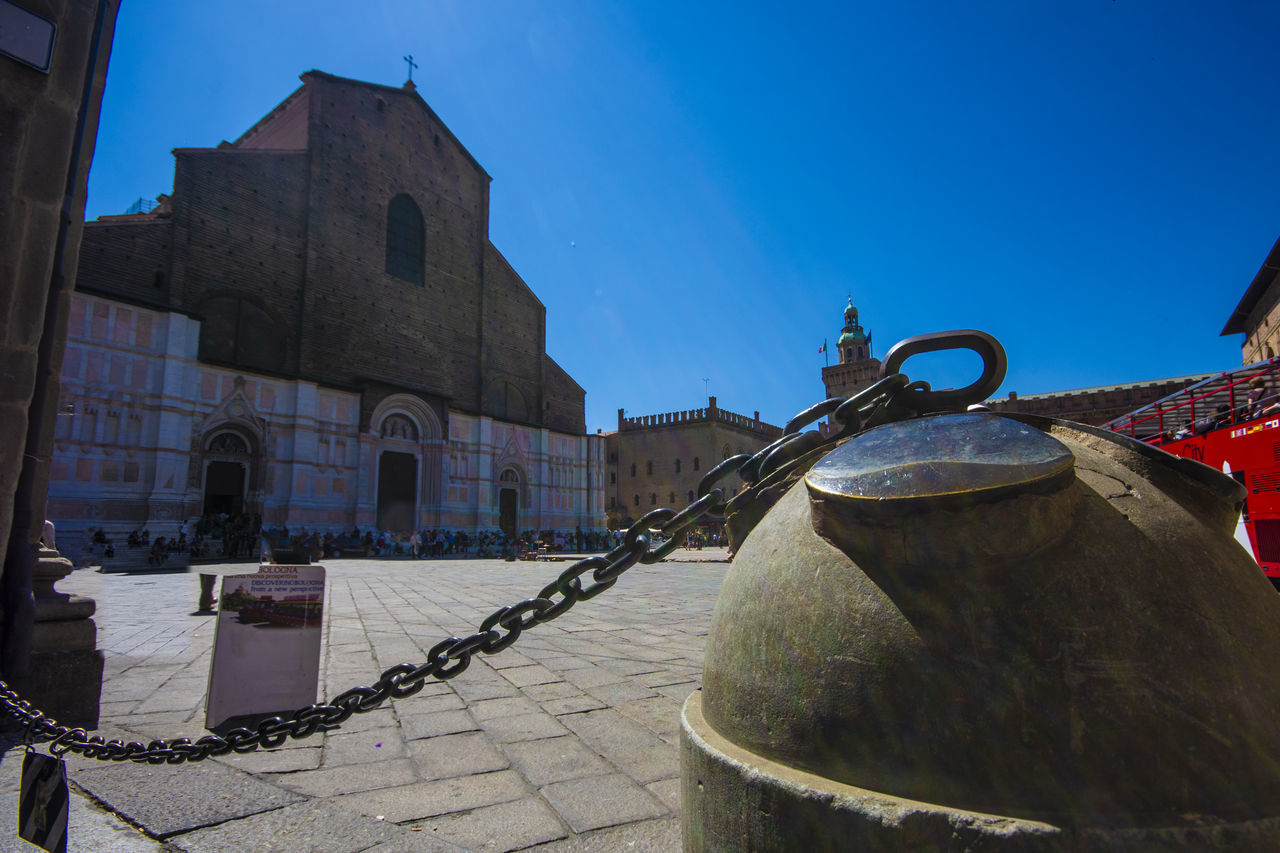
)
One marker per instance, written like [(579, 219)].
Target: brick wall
[(127, 258), (239, 248), (370, 144)]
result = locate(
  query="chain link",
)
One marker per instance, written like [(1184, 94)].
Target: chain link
[(893, 397)]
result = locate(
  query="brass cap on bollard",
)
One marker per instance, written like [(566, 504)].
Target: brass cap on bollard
[(940, 462)]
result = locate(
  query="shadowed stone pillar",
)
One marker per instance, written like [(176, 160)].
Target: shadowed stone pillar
[(49, 113)]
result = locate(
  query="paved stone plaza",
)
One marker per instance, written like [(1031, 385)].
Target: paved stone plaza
[(566, 741)]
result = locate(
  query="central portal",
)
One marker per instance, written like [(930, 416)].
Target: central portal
[(397, 483)]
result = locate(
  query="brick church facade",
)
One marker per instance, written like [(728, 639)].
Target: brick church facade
[(313, 327)]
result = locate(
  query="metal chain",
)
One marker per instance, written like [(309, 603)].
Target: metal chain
[(881, 403)]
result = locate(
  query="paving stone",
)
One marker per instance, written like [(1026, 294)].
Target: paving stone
[(608, 731), (506, 707), (555, 759), (523, 727), (629, 667), (613, 694), (506, 826), (345, 779), (89, 827), (523, 676), (668, 791), (660, 761), (168, 799), (573, 704), (380, 719), (274, 760), (592, 677), (423, 704), (664, 677), (599, 801), (478, 689), (428, 799), (439, 723), (511, 658), (415, 841), (679, 692), (363, 747), (551, 690), (317, 827), (649, 836), (455, 755), (659, 714)]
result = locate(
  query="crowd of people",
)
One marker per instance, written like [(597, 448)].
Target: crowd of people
[(240, 536), (441, 543)]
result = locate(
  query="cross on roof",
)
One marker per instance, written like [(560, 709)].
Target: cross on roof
[(412, 65)]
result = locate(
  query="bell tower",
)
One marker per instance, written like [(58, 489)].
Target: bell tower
[(854, 344), (855, 368)]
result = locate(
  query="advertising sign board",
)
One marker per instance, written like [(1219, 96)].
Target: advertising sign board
[(266, 648)]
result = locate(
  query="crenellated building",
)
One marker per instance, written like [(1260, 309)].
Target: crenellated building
[(658, 460)]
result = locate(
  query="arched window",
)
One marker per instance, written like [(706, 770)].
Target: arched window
[(613, 478), (671, 499), (677, 466), (633, 469), (695, 463), (635, 500), (649, 467), (691, 496), (406, 239), (653, 499)]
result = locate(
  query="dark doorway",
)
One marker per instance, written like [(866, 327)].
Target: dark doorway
[(224, 488), (397, 482), (508, 503)]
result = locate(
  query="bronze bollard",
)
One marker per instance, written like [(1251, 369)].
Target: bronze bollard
[(975, 631)]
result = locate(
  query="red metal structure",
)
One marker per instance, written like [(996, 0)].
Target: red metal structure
[(1232, 423)]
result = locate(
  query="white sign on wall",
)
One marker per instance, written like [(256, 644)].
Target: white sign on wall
[(266, 648)]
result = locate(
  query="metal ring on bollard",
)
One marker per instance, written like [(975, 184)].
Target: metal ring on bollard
[(994, 365)]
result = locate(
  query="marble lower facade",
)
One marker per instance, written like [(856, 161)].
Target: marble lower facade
[(150, 436)]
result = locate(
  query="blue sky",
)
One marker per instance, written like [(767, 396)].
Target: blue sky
[(695, 189)]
